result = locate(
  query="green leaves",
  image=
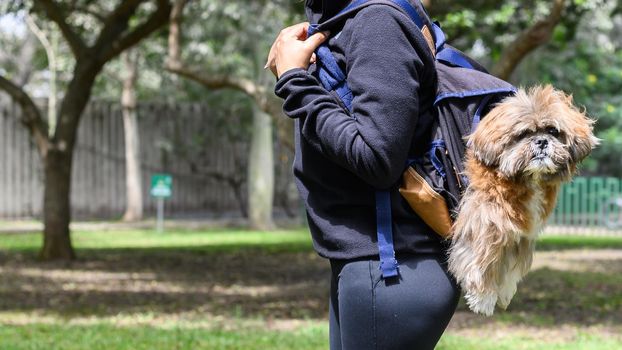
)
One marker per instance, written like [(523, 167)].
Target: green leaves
[(11, 6)]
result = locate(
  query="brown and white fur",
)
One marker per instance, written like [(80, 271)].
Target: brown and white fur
[(517, 158)]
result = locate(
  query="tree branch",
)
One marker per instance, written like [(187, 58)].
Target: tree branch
[(117, 23), (43, 39), (91, 12), (246, 86), (31, 117), (265, 99), (56, 15), (173, 59), (528, 40), (52, 66), (122, 10), (175, 65)]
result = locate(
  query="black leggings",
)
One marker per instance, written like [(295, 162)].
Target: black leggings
[(407, 312)]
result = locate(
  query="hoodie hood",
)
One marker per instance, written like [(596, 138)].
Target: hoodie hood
[(319, 11)]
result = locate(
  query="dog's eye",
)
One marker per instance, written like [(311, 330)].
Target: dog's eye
[(523, 134), (552, 131)]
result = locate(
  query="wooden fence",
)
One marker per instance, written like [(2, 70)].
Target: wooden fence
[(206, 154), (20, 168), (207, 161)]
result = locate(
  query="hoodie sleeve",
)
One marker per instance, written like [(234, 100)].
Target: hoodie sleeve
[(383, 65)]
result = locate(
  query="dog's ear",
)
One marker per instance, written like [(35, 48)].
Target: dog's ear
[(582, 145), (486, 152), (487, 141), (581, 140)]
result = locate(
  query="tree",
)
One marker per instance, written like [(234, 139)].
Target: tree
[(133, 174), (49, 41), (528, 40), (251, 28), (506, 32), (573, 44), (229, 112), (120, 25), (588, 67)]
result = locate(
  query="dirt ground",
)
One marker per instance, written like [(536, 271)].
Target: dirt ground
[(567, 291)]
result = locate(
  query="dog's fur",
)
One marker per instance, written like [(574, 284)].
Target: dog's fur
[(518, 156)]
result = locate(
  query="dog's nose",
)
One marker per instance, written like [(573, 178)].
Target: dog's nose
[(542, 143)]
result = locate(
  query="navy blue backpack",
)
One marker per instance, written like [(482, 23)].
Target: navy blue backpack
[(432, 184)]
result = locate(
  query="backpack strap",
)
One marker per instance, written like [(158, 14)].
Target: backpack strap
[(329, 72), (384, 230), (471, 83), (331, 76), (333, 79)]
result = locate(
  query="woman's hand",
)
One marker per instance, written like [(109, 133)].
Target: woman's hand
[(293, 49)]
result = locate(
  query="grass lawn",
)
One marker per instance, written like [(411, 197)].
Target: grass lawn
[(106, 337), (234, 289), (213, 240), (550, 242)]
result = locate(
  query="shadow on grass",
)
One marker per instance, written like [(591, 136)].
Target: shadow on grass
[(272, 281), (552, 297)]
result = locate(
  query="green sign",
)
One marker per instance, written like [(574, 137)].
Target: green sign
[(161, 185)]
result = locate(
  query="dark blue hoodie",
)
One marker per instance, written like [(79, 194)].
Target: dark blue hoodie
[(341, 159)]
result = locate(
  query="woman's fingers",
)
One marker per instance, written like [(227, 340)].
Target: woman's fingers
[(293, 48), (297, 31), (315, 40), (271, 55)]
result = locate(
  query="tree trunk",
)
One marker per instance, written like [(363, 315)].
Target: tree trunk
[(133, 183), (134, 210), (116, 35), (58, 163), (56, 207), (261, 172)]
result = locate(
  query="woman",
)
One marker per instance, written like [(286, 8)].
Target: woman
[(342, 159)]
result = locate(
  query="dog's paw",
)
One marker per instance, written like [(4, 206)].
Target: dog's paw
[(507, 289), (481, 303), (506, 293), (504, 302)]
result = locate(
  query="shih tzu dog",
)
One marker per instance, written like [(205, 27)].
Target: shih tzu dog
[(518, 156)]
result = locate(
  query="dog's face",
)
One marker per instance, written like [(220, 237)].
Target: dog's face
[(538, 133)]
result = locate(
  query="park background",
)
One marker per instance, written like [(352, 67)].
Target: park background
[(98, 96)]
